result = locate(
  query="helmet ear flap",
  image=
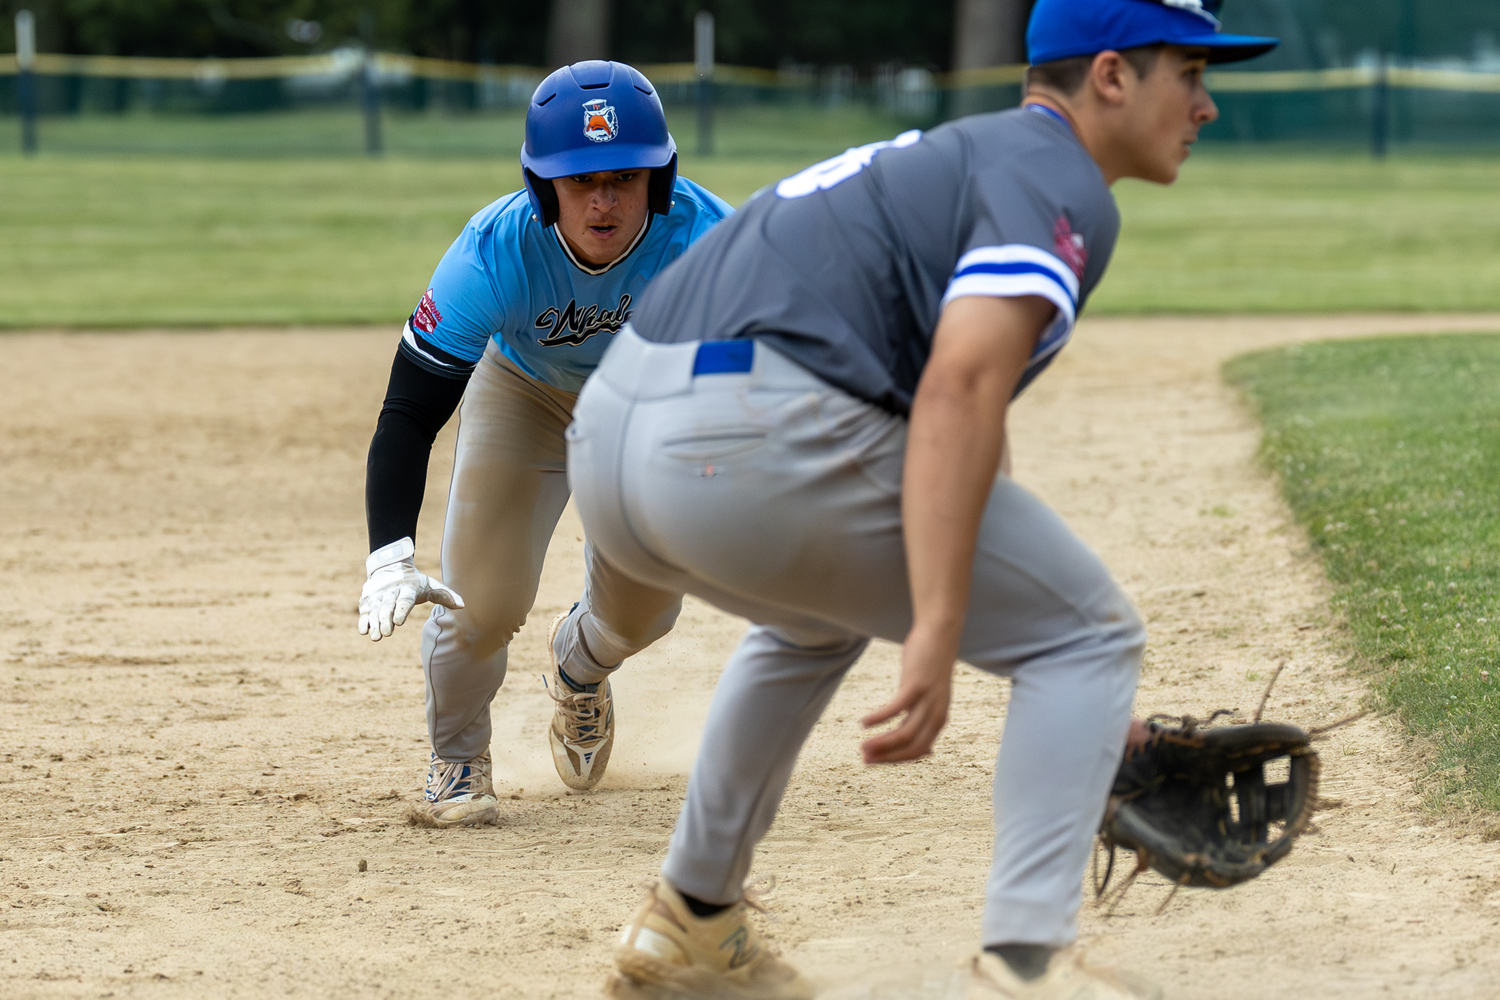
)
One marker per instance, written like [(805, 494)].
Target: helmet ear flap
[(543, 199), (659, 188)]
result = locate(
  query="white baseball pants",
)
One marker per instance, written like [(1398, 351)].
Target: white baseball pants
[(509, 489), (778, 497)]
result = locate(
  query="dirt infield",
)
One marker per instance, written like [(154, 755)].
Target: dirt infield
[(184, 701)]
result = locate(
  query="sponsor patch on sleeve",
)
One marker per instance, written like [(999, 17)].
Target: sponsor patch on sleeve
[(1069, 246), (427, 317)]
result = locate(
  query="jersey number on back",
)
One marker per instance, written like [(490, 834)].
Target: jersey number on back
[(822, 176)]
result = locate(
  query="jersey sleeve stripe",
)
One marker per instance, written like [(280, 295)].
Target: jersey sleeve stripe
[(1018, 269), (433, 358), (1021, 269), (1012, 286), (1017, 255)]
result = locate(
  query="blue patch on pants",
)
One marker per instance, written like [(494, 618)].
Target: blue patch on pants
[(722, 357)]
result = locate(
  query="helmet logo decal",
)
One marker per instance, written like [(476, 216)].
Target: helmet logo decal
[(600, 123)]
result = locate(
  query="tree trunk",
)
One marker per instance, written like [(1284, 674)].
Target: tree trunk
[(579, 30), (986, 33)]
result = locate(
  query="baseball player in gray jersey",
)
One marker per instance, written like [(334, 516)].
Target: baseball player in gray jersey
[(803, 424)]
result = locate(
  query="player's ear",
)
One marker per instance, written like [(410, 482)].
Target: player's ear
[(1107, 76)]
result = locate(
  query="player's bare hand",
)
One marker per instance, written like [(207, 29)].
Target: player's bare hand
[(922, 698), (394, 587)]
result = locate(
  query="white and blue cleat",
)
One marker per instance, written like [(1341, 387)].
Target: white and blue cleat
[(582, 733), (460, 793)]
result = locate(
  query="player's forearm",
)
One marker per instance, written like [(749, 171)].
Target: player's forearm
[(953, 452), (955, 445), (417, 405), (395, 480)]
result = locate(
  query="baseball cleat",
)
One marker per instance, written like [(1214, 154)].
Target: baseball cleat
[(668, 953), (582, 733), (1066, 978), (460, 793)]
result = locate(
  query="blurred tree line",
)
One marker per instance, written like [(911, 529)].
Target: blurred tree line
[(471, 30), (860, 33), (937, 34)]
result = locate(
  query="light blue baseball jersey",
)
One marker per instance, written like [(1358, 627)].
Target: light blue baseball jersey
[(509, 280)]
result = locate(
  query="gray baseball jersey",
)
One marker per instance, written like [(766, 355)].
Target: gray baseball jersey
[(764, 476), (846, 266)]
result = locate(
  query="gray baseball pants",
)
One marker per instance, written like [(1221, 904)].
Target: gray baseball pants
[(776, 496), (509, 488)]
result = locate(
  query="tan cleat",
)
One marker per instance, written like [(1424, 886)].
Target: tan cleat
[(582, 733), (1066, 978), (668, 953), (459, 793)]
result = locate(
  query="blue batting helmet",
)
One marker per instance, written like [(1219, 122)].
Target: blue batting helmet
[(594, 116)]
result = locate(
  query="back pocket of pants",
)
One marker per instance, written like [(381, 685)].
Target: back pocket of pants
[(707, 444)]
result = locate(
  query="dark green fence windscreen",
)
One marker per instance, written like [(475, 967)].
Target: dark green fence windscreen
[(1423, 72), (1373, 73)]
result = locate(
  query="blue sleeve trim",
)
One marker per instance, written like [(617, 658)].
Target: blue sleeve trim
[(1017, 267)]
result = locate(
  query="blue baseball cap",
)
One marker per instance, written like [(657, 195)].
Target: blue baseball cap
[(1062, 29)]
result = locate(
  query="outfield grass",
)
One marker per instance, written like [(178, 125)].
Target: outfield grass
[(227, 237), (142, 242), (1389, 454), (1246, 230)]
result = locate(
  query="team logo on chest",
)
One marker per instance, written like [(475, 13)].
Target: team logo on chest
[(571, 326), (600, 123)]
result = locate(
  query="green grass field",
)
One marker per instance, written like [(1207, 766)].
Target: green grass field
[(1389, 454), (231, 235), (1247, 230), (231, 219)]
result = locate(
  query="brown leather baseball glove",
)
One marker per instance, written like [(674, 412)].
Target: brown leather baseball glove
[(1212, 807)]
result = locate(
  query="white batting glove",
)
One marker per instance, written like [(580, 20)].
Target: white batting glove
[(393, 587)]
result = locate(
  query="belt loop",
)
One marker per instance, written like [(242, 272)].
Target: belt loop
[(645, 370)]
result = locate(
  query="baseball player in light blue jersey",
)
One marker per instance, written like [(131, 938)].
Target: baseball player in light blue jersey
[(518, 313), (803, 424)]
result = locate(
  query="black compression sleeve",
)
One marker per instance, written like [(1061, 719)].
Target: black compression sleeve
[(418, 403)]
